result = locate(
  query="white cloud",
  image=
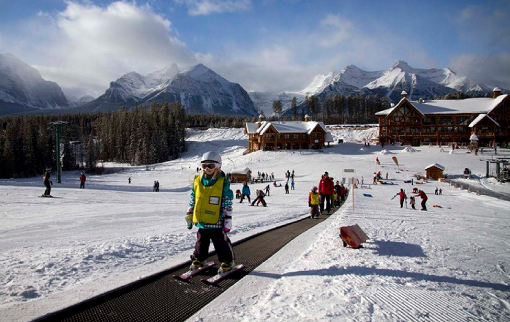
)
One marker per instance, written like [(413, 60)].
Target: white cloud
[(87, 46), (207, 7), (490, 70)]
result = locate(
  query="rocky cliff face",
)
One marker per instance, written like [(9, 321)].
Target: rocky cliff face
[(22, 88)]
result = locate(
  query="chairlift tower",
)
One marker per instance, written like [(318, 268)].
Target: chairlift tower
[(58, 125)]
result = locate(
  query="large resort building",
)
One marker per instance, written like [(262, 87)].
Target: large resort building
[(443, 122), (263, 135)]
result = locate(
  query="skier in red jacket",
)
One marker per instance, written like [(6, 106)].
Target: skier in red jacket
[(423, 199), (326, 190)]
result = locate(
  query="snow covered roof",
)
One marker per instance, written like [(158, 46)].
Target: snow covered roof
[(435, 165), (481, 117), (468, 105), (241, 171), (286, 127)]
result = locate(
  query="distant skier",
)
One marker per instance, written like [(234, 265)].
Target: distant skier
[(423, 199), (313, 202), (47, 183), (83, 178), (260, 198), (287, 187), (412, 202), (402, 197), (245, 192)]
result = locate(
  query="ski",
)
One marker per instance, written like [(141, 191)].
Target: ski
[(220, 277), (189, 274)]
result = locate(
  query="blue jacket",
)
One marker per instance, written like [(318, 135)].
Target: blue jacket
[(246, 190)]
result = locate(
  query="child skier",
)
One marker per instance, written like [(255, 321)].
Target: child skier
[(313, 202), (412, 202), (210, 209)]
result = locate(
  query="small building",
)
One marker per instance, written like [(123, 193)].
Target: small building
[(280, 135), (240, 175), (434, 171)]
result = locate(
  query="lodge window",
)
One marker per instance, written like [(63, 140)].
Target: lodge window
[(287, 136), (296, 136), (304, 136)]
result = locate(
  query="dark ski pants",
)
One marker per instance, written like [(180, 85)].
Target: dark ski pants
[(326, 198), (258, 200), (242, 198), (401, 203), (47, 192), (221, 243), (423, 204)]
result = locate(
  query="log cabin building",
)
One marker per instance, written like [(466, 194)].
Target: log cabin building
[(264, 135), (443, 122)]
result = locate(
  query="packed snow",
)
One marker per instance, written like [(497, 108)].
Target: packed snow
[(451, 263)]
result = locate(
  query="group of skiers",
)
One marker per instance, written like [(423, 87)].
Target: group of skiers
[(326, 196), (412, 201), (48, 183)]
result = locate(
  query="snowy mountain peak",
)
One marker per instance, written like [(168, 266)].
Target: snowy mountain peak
[(403, 66), (162, 76)]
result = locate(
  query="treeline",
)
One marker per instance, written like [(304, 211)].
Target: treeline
[(336, 109), (138, 136)]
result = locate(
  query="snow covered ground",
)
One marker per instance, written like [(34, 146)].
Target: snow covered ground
[(451, 263)]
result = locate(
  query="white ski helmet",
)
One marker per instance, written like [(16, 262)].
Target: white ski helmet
[(211, 157)]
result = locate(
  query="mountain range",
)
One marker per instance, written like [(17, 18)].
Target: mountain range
[(201, 90)]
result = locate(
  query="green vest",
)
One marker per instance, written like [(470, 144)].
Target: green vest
[(207, 201)]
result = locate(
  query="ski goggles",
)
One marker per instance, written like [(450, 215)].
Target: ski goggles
[(209, 165)]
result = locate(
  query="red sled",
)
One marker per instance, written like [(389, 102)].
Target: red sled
[(353, 236)]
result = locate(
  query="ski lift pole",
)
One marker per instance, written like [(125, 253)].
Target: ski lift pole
[(58, 125)]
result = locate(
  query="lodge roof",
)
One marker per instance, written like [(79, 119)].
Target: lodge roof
[(469, 105), (435, 165), (288, 127), (481, 117)]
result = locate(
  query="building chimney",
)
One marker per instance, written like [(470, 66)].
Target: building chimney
[(403, 94), (307, 118), (259, 123), (496, 92)]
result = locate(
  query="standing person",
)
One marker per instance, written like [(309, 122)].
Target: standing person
[(47, 183), (129, 180), (83, 178), (343, 192), (210, 209), (326, 188), (245, 192), (412, 202), (313, 202), (287, 187), (336, 187), (402, 196), (423, 199), (267, 190), (292, 185)]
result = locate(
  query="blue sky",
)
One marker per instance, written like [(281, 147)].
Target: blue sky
[(269, 45)]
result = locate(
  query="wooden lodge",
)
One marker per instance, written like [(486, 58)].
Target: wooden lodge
[(443, 122), (240, 175), (434, 171), (264, 135)]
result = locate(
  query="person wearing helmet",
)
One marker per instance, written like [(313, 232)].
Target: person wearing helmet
[(313, 202), (210, 210)]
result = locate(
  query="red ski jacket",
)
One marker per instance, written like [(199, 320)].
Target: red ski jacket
[(326, 186)]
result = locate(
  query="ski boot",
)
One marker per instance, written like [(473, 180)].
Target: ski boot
[(225, 267), (196, 264)]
